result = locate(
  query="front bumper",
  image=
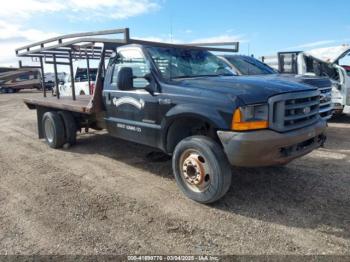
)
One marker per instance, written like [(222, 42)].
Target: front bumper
[(269, 148), (338, 106)]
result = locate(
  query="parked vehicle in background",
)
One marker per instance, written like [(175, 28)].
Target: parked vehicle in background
[(319, 62), (186, 102), (50, 79), (13, 80), (247, 65), (81, 82)]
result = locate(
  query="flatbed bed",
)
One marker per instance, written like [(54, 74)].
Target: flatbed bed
[(82, 104)]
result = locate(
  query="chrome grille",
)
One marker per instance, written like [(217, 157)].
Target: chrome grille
[(293, 110)]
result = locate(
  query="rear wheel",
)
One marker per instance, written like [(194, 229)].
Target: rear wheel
[(201, 169), (69, 126), (53, 129)]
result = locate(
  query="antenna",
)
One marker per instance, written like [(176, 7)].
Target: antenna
[(171, 25)]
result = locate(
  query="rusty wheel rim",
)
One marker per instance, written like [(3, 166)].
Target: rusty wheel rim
[(194, 170)]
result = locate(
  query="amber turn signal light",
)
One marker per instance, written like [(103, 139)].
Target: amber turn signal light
[(238, 124)]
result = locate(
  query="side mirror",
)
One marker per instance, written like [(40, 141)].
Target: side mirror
[(125, 78), (150, 87)]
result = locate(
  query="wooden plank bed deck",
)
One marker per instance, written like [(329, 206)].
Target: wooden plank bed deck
[(82, 104)]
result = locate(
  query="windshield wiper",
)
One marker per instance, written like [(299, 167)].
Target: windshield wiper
[(195, 76)]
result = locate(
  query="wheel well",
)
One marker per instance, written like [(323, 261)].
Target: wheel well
[(185, 127)]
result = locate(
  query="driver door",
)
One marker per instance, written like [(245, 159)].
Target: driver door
[(131, 114)]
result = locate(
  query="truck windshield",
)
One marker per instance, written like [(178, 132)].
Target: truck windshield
[(187, 63), (249, 65)]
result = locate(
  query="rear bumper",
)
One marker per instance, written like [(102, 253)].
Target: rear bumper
[(268, 148)]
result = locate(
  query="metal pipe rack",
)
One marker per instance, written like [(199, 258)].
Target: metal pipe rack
[(62, 50)]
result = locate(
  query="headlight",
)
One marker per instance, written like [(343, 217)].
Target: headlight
[(250, 117)]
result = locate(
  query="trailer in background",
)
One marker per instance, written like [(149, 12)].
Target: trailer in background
[(13, 80)]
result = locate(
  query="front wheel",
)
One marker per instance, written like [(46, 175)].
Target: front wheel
[(201, 169)]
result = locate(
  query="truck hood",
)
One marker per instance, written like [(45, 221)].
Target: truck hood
[(329, 54), (316, 81), (250, 89)]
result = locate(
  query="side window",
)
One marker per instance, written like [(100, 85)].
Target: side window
[(134, 59)]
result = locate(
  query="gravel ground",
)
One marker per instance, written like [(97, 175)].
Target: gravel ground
[(104, 196)]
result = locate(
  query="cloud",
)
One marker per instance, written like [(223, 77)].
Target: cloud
[(79, 9), (167, 39), (16, 32), (113, 9), (314, 44), (16, 15), (218, 38), (23, 9), (221, 38), (13, 36)]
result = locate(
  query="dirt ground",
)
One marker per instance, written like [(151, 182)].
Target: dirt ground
[(104, 196)]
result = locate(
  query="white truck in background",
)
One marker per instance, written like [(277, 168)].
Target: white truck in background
[(81, 82), (330, 62)]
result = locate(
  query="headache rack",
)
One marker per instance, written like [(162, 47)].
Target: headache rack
[(62, 50)]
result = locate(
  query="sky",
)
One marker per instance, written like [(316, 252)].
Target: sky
[(261, 27)]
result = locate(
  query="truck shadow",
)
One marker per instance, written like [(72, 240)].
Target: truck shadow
[(312, 192), (294, 196)]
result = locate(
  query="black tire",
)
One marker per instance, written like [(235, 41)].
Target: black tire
[(218, 178), (70, 127), (53, 129)]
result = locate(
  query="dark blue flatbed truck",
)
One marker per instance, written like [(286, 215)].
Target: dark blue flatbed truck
[(186, 102)]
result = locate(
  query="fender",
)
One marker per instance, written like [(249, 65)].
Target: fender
[(205, 113)]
